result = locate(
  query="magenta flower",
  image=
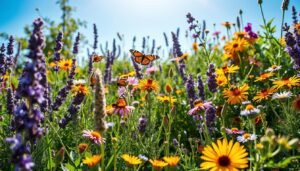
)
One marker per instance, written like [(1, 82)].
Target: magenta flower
[(151, 70), (132, 81), (123, 111), (234, 131), (199, 106), (94, 136), (121, 91)]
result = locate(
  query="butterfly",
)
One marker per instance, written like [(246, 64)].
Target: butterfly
[(180, 58), (141, 58), (121, 103), (122, 81), (97, 58)]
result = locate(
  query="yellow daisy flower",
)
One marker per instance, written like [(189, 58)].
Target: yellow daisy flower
[(65, 64), (264, 76), (158, 164), (264, 94), (92, 161), (166, 99), (227, 70), (224, 156), (235, 94), (287, 82), (131, 160), (172, 160), (235, 46), (148, 85)]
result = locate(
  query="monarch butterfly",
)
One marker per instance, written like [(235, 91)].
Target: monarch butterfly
[(121, 103), (122, 81), (97, 58), (180, 58), (141, 58)]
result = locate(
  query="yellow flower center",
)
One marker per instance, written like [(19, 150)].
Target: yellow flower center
[(234, 129), (249, 107), (246, 136), (96, 134)]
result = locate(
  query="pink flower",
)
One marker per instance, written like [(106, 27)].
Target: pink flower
[(234, 131), (199, 106), (123, 111), (151, 70), (121, 91), (216, 33), (132, 81), (94, 136)]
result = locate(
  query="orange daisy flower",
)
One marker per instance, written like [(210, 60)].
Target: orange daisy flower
[(264, 94), (172, 160), (158, 164), (296, 104), (235, 46), (287, 82), (235, 94), (92, 161), (264, 76), (65, 64), (148, 85), (227, 70)]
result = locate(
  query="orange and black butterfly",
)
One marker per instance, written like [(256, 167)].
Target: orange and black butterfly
[(97, 58), (122, 81), (121, 103), (141, 58)]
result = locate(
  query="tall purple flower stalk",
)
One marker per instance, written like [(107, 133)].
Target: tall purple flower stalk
[(293, 41), (137, 69), (190, 89), (10, 103), (63, 93), (110, 58), (28, 116), (2, 60), (57, 49), (210, 116), (211, 79), (177, 53), (95, 31), (200, 87), (72, 110), (10, 50)]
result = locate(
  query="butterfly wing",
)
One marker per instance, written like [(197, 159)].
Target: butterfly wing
[(122, 81), (138, 56), (121, 102), (97, 58), (149, 58)]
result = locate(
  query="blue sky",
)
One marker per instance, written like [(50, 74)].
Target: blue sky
[(139, 17)]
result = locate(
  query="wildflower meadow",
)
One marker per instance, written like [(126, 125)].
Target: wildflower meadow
[(228, 102)]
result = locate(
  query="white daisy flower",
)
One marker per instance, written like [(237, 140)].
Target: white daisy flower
[(79, 82), (246, 137), (282, 95), (250, 110), (273, 68)]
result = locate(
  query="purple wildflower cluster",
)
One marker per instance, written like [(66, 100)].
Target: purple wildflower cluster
[(293, 41), (142, 124), (57, 49), (2, 59), (32, 86), (10, 50), (63, 93), (248, 29), (72, 110), (95, 31), (190, 89), (178, 53), (211, 79), (111, 56)]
